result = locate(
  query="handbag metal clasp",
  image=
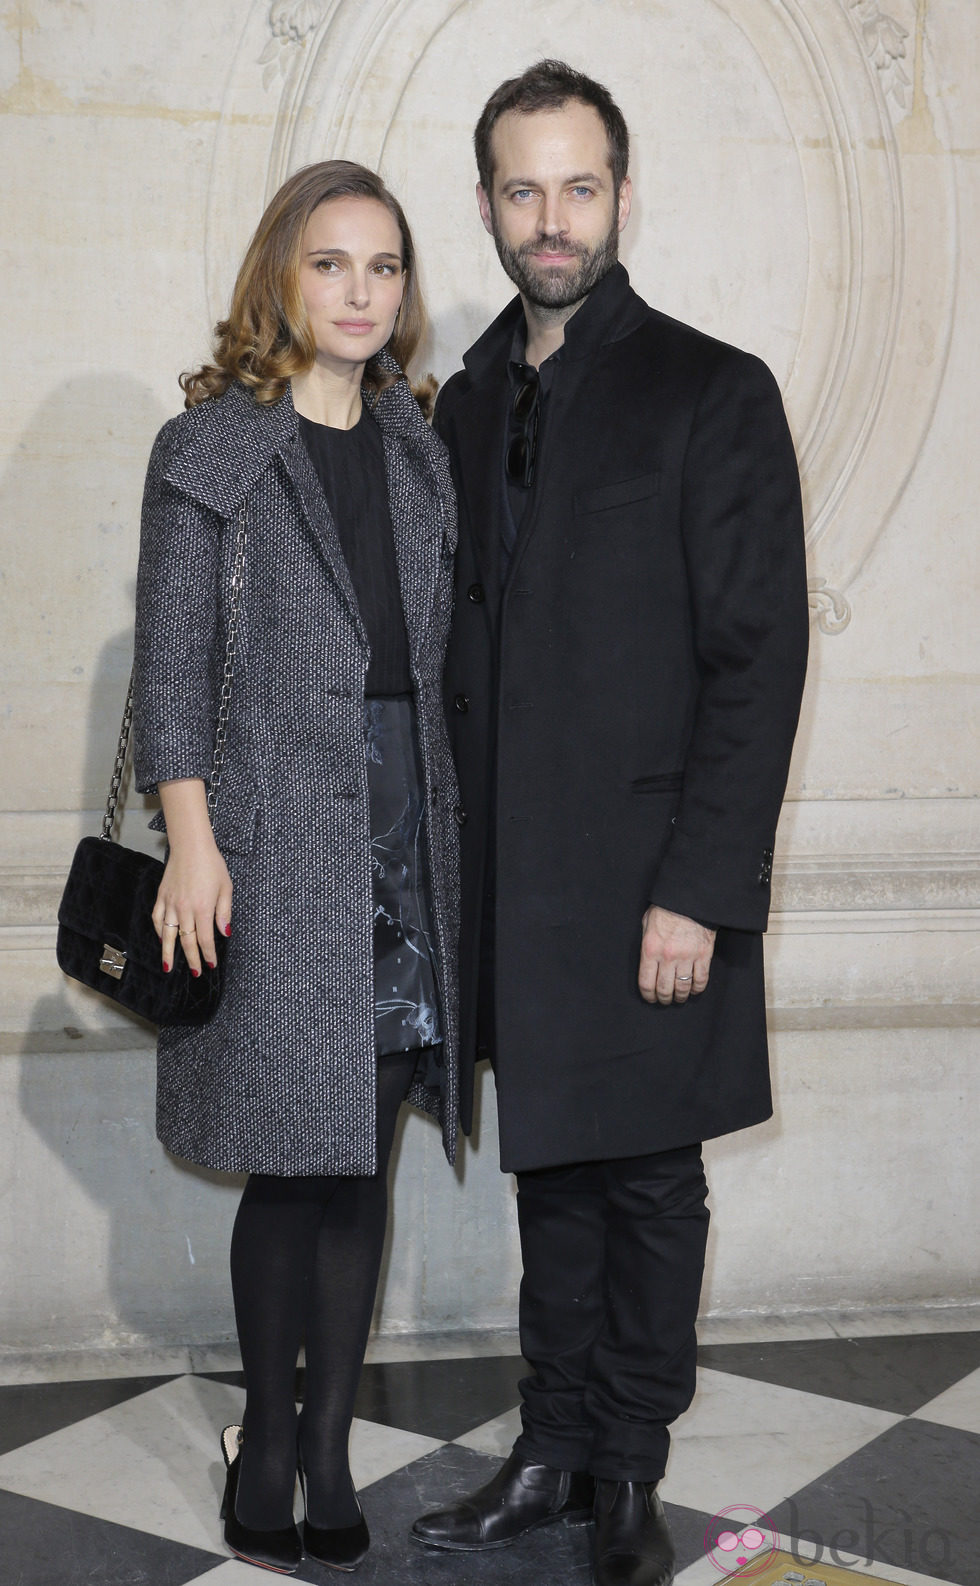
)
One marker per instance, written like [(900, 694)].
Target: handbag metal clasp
[(113, 961)]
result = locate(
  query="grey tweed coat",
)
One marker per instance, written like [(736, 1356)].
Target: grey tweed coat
[(282, 1080)]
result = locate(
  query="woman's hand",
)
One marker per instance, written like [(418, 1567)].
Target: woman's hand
[(195, 894)]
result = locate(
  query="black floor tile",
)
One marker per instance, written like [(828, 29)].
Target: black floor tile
[(32, 1410), (43, 1545), (899, 1374), (908, 1499), (440, 1398)]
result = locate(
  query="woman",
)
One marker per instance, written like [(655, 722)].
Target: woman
[(331, 864)]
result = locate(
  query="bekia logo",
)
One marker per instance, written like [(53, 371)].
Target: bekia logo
[(741, 1539)]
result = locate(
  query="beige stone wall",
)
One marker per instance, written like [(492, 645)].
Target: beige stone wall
[(805, 175)]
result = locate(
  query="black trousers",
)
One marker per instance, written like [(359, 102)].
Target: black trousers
[(613, 1260)]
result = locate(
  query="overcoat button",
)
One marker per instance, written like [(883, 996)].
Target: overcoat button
[(461, 815), (476, 594), (462, 703)]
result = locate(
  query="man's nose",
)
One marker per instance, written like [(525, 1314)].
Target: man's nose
[(554, 221)]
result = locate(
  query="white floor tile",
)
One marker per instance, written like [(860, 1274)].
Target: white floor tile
[(754, 1443), (496, 1436), (152, 1462), (376, 1451), (230, 1574), (958, 1406), (234, 1573)]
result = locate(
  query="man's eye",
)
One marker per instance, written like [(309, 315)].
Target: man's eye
[(522, 194), (582, 192)]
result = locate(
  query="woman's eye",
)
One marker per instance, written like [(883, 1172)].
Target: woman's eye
[(386, 269), (327, 266)]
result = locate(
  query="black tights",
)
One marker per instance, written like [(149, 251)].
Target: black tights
[(305, 1255)]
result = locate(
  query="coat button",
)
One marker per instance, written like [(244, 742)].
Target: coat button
[(461, 815), (462, 703), (477, 594)]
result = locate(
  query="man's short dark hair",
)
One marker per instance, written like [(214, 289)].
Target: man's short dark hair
[(548, 85)]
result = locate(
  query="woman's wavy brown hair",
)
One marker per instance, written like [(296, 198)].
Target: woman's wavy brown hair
[(267, 335)]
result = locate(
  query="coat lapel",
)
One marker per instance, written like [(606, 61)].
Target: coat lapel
[(296, 461), (236, 439), (480, 422), (421, 502)]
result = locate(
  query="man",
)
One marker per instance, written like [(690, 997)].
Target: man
[(624, 682)]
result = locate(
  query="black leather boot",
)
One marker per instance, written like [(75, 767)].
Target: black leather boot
[(633, 1544), (520, 1497)]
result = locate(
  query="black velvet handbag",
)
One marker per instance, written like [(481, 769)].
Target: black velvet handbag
[(106, 937)]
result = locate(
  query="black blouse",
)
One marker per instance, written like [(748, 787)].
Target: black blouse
[(350, 465)]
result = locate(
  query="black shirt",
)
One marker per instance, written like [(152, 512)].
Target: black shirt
[(350, 465), (519, 372)]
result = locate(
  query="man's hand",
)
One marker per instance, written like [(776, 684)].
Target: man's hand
[(675, 956)]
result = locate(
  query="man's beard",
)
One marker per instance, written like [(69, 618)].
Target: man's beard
[(560, 287)]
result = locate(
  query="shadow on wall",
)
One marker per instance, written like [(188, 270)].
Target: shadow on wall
[(125, 1234)]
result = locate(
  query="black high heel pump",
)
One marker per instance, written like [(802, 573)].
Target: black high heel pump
[(280, 1551), (339, 1547)]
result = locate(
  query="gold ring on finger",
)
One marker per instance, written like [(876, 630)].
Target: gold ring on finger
[(190, 931)]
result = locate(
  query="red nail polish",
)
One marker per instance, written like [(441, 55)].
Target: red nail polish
[(210, 965), (166, 969), (228, 929), (195, 973)]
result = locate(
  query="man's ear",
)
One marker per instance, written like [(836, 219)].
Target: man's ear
[(625, 201), (483, 199)]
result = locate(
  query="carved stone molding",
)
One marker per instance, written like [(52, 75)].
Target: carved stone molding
[(863, 126)]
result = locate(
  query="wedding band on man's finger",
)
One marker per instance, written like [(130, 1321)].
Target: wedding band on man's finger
[(683, 977)]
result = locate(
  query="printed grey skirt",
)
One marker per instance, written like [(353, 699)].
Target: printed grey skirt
[(406, 1003)]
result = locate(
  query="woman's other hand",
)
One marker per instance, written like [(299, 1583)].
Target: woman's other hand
[(194, 900)]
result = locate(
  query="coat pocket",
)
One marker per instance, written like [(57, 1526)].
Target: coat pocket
[(665, 782), (621, 493)]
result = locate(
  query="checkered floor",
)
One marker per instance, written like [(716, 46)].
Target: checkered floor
[(863, 1452)]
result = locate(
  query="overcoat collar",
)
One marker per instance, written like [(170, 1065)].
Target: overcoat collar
[(611, 311), (234, 439)]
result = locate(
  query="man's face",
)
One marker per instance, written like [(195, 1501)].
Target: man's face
[(553, 213)]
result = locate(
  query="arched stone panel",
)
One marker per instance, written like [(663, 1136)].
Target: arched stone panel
[(794, 192)]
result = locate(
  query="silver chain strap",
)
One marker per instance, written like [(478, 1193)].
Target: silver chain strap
[(224, 700)]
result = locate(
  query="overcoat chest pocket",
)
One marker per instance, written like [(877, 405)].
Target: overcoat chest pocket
[(621, 493)]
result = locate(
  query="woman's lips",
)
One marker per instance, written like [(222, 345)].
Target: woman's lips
[(355, 327)]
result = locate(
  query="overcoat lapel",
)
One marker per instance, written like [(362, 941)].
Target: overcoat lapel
[(480, 449), (296, 462), (420, 502)]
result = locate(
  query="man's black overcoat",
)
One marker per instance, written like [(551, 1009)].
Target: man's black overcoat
[(637, 684)]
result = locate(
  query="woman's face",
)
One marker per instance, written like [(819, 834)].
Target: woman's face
[(351, 279)]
